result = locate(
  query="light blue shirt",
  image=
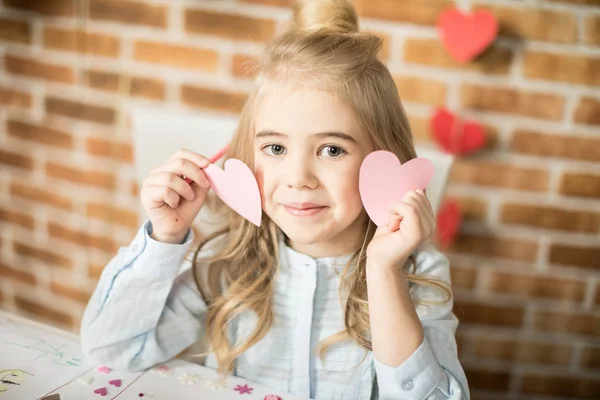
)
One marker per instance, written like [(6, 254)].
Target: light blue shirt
[(147, 309)]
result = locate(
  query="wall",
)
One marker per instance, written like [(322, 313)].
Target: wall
[(526, 263)]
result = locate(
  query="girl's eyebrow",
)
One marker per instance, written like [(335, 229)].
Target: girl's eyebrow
[(338, 135)]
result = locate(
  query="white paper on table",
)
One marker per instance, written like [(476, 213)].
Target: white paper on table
[(37, 360)]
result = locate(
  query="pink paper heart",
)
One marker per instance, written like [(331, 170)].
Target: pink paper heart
[(116, 382), (104, 370), (383, 180), (101, 391), (237, 187)]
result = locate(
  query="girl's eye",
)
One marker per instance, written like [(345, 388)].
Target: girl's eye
[(275, 149), (333, 151)]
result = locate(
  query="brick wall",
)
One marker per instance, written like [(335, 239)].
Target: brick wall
[(526, 264)]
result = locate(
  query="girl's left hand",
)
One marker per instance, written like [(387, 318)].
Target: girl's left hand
[(411, 223)]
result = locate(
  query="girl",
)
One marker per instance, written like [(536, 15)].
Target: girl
[(316, 301)]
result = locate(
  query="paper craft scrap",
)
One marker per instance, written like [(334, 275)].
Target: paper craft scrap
[(115, 382), (467, 35), (454, 136), (237, 187), (188, 378), (243, 389), (383, 180), (162, 370), (85, 380), (104, 370), (101, 391), (272, 397), (214, 384)]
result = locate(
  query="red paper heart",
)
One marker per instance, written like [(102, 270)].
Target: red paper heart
[(467, 35), (454, 136), (448, 222), (116, 382), (101, 391)]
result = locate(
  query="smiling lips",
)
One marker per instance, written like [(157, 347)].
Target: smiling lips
[(303, 209)]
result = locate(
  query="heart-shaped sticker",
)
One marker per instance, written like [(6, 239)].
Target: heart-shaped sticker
[(237, 187), (104, 370), (101, 391), (115, 382), (454, 136), (383, 180), (467, 35)]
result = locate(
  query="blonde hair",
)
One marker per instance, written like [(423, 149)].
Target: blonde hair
[(323, 49)]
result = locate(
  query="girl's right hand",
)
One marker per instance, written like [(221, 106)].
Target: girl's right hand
[(171, 202)]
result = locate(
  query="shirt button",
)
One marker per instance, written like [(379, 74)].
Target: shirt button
[(408, 385)]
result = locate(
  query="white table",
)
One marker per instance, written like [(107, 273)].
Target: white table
[(41, 362)]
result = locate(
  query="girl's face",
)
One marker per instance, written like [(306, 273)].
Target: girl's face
[(308, 148)]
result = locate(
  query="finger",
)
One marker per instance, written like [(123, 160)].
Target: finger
[(183, 167), (409, 209), (426, 217), (173, 182), (424, 194), (160, 194), (198, 159)]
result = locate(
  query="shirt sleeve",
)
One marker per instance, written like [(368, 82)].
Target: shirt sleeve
[(144, 311), (433, 371)]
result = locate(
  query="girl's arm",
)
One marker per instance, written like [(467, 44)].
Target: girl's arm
[(142, 312), (414, 350)]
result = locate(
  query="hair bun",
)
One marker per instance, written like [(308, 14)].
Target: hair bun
[(337, 15)]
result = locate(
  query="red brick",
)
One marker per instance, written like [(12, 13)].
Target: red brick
[(535, 23), (495, 60), (113, 214), (129, 12), (463, 277), (55, 8), (110, 148), (536, 286), (587, 111), (15, 30), (42, 195), (68, 291), (16, 218), (43, 255), (39, 133), (487, 380), (10, 273), (549, 217), (570, 68), (14, 98), (36, 69), (79, 110), (590, 358), (81, 176), (469, 312), (47, 314), (580, 256), (492, 246), (591, 31), (580, 184), (560, 385), (567, 322), (565, 146), (420, 90), (82, 42), (523, 351), (176, 55), (82, 238), (513, 101), (135, 86), (494, 174), (215, 99), (237, 27), (15, 160)]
